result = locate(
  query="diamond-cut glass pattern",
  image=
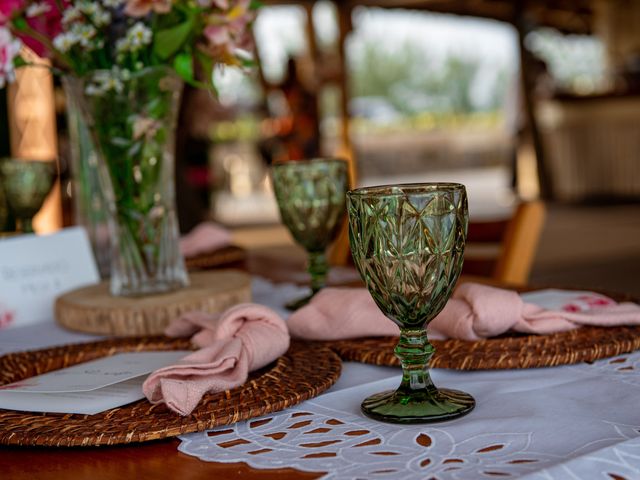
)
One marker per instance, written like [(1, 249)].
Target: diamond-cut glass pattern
[(407, 241), (311, 199)]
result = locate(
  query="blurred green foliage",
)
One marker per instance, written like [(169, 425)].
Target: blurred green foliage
[(414, 81)]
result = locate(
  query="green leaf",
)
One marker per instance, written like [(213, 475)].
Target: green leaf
[(255, 5), (20, 23), (183, 64), (20, 62), (169, 41)]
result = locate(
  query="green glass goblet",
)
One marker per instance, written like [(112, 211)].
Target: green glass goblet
[(26, 184), (407, 242), (311, 196)]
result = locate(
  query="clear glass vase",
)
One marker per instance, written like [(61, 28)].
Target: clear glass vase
[(131, 119), (89, 202)]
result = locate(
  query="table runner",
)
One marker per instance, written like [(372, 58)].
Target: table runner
[(578, 421)]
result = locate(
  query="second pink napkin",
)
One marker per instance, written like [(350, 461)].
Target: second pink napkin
[(474, 311)]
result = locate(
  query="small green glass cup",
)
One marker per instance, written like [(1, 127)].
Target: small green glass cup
[(311, 196), (407, 242), (26, 185)]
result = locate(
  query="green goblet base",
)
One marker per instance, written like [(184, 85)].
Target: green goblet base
[(418, 406), (294, 305)]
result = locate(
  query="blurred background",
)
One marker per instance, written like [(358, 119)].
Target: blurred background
[(517, 100)]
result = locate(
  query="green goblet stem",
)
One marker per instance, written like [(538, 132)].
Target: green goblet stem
[(318, 269), (414, 352), (26, 225)]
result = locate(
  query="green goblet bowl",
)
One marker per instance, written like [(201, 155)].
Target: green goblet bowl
[(311, 197)]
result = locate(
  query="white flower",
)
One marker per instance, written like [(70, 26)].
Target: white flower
[(37, 8), (88, 8), (70, 15), (135, 39), (101, 18), (9, 48), (122, 45), (84, 34), (106, 81), (139, 35), (98, 15), (65, 41)]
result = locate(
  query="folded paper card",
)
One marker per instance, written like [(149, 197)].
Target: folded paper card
[(89, 387), (35, 269)]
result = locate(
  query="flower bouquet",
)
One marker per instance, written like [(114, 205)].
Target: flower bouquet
[(124, 63)]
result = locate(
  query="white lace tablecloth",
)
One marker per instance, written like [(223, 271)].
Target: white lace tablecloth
[(579, 421), (571, 422)]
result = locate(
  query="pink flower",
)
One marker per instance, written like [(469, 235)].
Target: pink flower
[(229, 31), (140, 8), (47, 21), (9, 49), (7, 7)]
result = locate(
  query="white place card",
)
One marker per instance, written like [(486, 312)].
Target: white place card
[(35, 269), (90, 387)]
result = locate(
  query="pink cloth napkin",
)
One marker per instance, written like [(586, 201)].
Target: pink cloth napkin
[(205, 237), (474, 311), (244, 338)]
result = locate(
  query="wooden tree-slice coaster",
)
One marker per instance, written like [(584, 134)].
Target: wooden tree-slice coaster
[(226, 256), (305, 371), (585, 344), (93, 309)]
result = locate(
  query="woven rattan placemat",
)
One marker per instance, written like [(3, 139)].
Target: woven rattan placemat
[(303, 372), (223, 257), (585, 344)]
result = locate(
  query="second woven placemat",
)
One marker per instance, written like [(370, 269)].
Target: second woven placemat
[(305, 371), (585, 344)]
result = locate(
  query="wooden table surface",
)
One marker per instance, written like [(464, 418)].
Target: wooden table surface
[(152, 461)]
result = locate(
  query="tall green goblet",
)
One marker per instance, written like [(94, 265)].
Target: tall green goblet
[(311, 196), (407, 242)]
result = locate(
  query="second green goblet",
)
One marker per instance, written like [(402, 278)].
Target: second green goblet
[(311, 196), (407, 242), (26, 184)]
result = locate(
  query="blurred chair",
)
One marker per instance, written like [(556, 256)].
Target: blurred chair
[(504, 250)]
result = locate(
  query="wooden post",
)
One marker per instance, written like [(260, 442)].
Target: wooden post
[(340, 253), (32, 127), (527, 83), (346, 148)]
